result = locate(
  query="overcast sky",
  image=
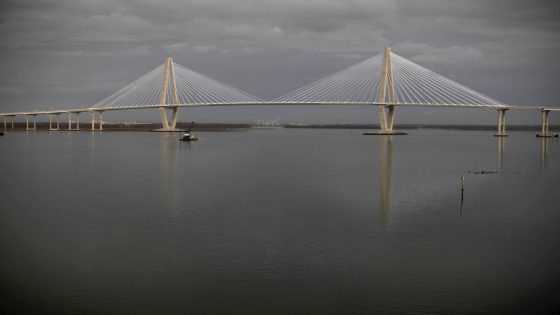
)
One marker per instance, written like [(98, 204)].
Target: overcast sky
[(60, 54)]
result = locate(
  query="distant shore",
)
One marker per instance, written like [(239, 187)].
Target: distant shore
[(424, 126), (85, 126)]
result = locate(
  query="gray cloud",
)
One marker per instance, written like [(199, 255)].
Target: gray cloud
[(77, 52)]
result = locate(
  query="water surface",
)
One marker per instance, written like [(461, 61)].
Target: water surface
[(282, 221)]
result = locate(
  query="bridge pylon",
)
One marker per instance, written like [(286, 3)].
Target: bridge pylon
[(168, 90), (386, 98)]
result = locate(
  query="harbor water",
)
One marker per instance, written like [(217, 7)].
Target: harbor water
[(279, 221)]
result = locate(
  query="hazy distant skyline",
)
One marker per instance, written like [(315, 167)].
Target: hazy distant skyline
[(59, 54)]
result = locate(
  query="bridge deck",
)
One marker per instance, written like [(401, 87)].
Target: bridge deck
[(152, 106)]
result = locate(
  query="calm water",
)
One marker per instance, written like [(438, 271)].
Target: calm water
[(279, 222)]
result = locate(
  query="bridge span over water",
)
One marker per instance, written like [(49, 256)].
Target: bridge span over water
[(385, 80)]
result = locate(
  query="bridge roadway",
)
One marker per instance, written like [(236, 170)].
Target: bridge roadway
[(76, 111)]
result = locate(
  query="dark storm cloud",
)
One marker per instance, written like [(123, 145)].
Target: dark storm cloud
[(77, 52)]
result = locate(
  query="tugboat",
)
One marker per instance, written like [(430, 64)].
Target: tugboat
[(187, 136)]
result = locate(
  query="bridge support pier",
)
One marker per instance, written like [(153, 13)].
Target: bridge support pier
[(501, 123), (70, 121), (386, 122), (545, 133), (57, 122), (92, 121), (27, 123), (166, 124), (100, 127), (174, 118), (5, 125), (390, 117)]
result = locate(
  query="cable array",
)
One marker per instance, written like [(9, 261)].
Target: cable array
[(413, 85), (195, 88), (192, 88), (356, 84), (144, 91)]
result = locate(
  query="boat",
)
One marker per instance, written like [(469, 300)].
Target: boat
[(187, 136)]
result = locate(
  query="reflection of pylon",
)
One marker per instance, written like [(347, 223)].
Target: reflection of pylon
[(387, 107), (501, 146), (168, 86), (385, 169)]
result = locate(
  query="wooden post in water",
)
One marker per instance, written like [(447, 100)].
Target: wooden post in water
[(462, 193)]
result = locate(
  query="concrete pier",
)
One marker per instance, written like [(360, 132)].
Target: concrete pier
[(92, 121), (77, 121), (545, 133), (384, 133), (57, 122), (69, 121), (501, 123), (27, 128)]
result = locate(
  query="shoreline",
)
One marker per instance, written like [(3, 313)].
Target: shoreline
[(425, 127)]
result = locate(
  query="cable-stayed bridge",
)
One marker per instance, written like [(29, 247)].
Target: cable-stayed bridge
[(385, 80)]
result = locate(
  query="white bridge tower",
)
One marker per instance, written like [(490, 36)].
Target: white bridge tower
[(168, 93)]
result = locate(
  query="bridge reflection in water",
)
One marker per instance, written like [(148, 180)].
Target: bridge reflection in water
[(501, 147), (168, 168), (544, 152), (385, 168), (544, 149), (385, 174)]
